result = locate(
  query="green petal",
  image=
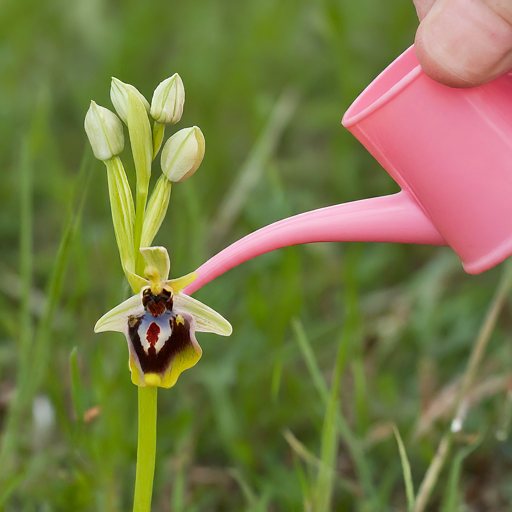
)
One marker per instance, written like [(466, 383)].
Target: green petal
[(207, 320), (141, 140), (117, 319), (182, 282), (156, 210), (123, 214), (159, 258), (158, 137), (136, 282)]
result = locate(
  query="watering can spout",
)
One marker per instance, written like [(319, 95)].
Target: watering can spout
[(395, 218)]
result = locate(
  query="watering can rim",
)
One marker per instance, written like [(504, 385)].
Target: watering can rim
[(350, 119)]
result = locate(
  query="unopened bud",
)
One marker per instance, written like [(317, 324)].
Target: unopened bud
[(168, 100), (119, 96), (183, 154), (105, 132)]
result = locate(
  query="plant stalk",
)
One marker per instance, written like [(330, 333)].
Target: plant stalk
[(146, 449)]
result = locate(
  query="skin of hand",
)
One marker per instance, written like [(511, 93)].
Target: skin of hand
[(464, 43)]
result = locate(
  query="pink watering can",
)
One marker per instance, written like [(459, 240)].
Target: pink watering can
[(450, 150)]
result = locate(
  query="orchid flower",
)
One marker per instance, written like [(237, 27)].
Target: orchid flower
[(160, 323)]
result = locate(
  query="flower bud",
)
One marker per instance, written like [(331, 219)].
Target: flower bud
[(168, 100), (105, 132), (183, 154), (119, 96)]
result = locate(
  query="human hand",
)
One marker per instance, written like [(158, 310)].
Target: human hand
[(464, 43)]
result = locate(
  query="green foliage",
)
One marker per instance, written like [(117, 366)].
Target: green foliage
[(406, 468), (268, 83)]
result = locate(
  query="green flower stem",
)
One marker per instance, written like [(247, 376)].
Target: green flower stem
[(146, 449), (139, 223)]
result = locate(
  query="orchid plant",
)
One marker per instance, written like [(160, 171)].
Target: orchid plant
[(159, 321)]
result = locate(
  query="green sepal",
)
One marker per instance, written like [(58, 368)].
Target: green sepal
[(141, 141), (158, 137), (157, 257), (156, 210), (136, 282), (123, 212)]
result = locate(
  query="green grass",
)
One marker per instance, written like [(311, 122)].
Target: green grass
[(332, 343)]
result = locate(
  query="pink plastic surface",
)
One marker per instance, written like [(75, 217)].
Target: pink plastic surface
[(450, 150), (394, 218)]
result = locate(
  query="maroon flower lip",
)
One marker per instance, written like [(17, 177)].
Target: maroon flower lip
[(158, 354)]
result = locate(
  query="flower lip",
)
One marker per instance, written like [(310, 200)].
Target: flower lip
[(157, 342)]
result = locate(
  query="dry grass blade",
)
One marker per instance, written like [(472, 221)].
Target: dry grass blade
[(301, 450), (427, 486), (450, 502), (446, 400), (312, 460), (406, 467), (482, 341), (429, 482), (254, 504)]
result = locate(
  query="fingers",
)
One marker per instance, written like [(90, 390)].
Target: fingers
[(422, 7), (464, 43)]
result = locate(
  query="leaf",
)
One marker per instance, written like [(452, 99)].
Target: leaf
[(406, 468), (451, 497), (123, 212)]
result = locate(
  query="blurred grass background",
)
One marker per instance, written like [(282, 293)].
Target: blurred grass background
[(256, 425)]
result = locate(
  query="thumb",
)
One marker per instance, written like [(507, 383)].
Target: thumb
[(464, 43)]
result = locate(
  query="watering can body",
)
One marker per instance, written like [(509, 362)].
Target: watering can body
[(450, 150)]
